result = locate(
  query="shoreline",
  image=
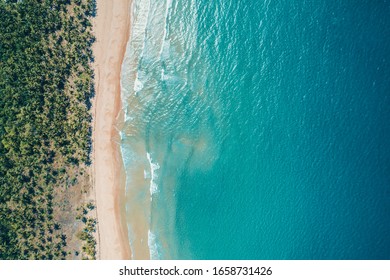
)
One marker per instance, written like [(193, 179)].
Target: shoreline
[(111, 28)]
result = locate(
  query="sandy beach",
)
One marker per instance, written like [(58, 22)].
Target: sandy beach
[(111, 28)]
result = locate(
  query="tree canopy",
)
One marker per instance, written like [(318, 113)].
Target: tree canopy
[(46, 86)]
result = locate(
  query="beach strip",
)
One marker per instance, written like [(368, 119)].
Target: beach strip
[(111, 28)]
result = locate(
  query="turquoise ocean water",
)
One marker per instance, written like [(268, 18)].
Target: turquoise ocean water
[(258, 129)]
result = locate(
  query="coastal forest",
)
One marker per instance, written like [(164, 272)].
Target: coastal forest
[(46, 90)]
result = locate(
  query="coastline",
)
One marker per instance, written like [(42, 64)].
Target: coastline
[(111, 28)]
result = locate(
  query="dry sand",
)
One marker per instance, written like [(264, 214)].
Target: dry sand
[(111, 28)]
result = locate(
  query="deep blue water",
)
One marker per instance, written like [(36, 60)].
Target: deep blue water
[(259, 129)]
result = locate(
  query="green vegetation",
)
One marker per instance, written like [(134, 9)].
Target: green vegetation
[(46, 86), (87, 233)]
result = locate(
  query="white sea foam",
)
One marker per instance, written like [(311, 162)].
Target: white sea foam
[(153, 175), (162, 74), (138, 85), (167, 8), (146, 174), (136, 45), (152, 244)]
